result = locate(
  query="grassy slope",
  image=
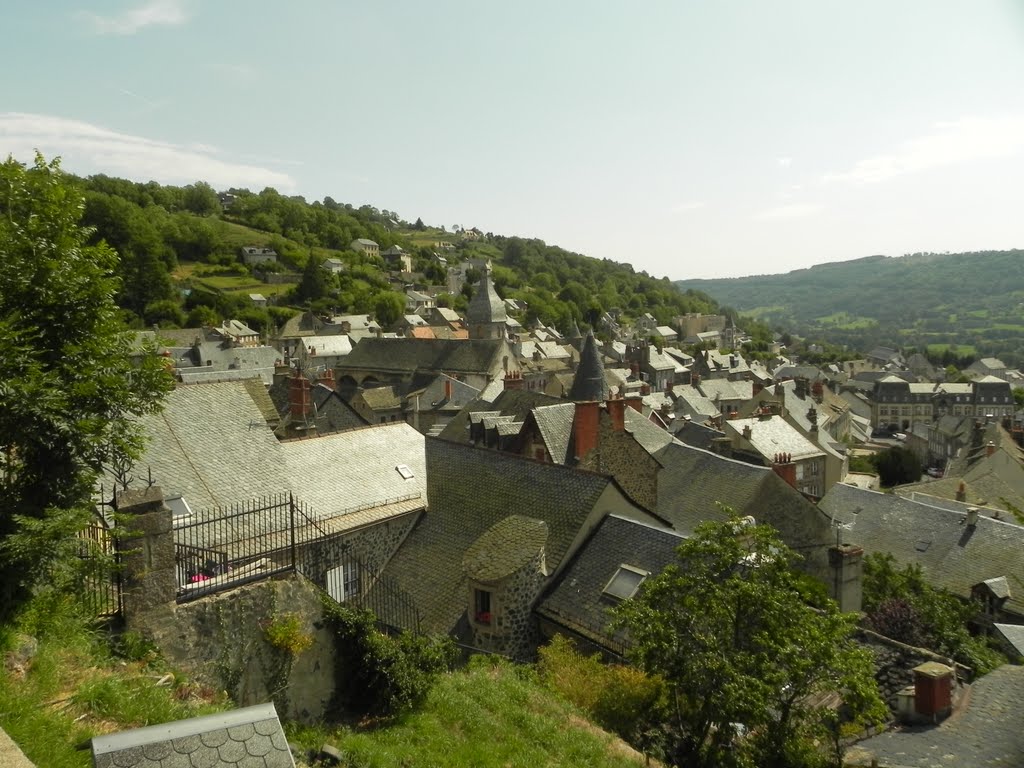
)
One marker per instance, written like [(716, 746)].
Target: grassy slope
[(75, 688), (489, 715)]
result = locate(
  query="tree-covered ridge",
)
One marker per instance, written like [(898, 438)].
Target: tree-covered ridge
[(163, 232), (920, 300)]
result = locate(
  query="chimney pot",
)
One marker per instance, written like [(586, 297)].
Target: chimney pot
[(972, 516)]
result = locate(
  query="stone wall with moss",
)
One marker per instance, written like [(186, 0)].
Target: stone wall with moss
[(260, 642)]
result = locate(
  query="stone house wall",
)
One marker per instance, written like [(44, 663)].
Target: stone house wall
[(372, 546), (620, 456), (895, 662)]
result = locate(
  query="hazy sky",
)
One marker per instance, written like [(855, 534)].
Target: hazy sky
[(691, 139)]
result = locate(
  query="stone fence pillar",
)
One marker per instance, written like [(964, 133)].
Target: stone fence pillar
[(146, 546)]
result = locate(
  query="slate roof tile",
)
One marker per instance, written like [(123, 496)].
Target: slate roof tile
[(577, 599), (951, 554), (472, 490)]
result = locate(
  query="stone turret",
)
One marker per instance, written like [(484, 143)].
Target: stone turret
[(485, 314)]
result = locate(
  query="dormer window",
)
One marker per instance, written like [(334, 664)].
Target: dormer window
[(625, 583)]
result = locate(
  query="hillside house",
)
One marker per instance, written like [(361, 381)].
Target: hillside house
[(255, 254), (365, 246), (334, 266)]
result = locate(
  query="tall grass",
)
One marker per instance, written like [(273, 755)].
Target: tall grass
[(74, 686)]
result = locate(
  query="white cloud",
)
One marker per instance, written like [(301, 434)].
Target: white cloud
[(961, 142), (691, 205), (792, 211), (87, 148), (155, 13), (784, 162)]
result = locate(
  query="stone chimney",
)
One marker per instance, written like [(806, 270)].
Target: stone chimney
[(617, 411), (812, 417), (846, 562), (972, 517), (758, 387), (747, 432), (800, 388)]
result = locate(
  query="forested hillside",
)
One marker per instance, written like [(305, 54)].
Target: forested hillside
[(972, 300), (181, 266)]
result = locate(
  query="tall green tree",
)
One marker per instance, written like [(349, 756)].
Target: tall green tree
[(742, 653), (69, 392), (313, 285)]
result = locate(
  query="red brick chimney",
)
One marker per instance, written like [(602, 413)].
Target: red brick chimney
[(514, 380), (327, 378), (990, 448), (783, 466), (447, 389), (617, 410), (300, 401), (636, 403), (758, 387), (584, 427)]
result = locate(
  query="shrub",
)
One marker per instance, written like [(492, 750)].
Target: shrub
[(621, 699), (379, 675)]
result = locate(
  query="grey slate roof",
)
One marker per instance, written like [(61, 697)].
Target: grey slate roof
[(409, 355), (471, 490), (243, 737), (504, 548), (589, 383), (951, 554), (510, 402), (694, 482), (555, 425), (211, 446), (576, 600), (774, 435), (1013, 634), (649, 435)]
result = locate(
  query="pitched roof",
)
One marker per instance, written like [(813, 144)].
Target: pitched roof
[(589, 383), (951, 554), (382, 398), (248, 736), (356, 468), (577, 600), (554, 422), (471, 490), (774, 435), (694, 483), (650, 436), (211, 446), (510, 402), (409, 355)]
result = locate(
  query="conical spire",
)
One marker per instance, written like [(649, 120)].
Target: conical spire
[(589, 385)]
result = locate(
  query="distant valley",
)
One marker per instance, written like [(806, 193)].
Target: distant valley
[(974, 301)]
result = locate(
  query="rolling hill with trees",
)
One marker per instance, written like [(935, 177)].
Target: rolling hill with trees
[(929, 301), (180, 264)]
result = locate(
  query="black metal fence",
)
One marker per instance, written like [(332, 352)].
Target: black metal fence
[(223, 547), (98, 567)]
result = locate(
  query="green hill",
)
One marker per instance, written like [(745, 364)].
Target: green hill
[(922, 300)]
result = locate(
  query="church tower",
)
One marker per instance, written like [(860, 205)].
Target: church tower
[(485, 315)]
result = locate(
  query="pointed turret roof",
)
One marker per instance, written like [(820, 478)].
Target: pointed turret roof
[(589, 383), (486, 306)]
